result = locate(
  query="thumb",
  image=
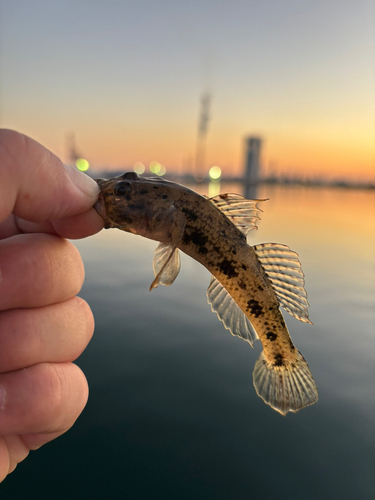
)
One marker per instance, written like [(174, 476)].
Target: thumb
[(36, 186)]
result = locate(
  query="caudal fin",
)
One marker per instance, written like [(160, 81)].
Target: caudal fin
[(289, 387)]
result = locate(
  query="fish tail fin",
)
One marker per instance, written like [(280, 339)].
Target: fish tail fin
[(288, 387)]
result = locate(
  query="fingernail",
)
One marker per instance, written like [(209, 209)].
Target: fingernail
[(83, 182), (2, 397)]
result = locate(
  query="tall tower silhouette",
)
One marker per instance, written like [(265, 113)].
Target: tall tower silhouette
[(253, 147), (200, 155), (72, 151)]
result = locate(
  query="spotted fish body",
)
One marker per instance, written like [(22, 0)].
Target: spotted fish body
[(248, 283)]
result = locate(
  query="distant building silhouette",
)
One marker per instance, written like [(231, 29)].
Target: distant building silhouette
[(253, 147)]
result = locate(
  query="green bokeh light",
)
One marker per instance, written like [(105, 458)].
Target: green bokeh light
[(215, 173), (82, 164), (155, 167)]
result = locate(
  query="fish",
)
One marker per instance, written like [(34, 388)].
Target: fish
[(248, 283)]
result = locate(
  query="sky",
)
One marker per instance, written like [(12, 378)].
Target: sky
[(127, 76)]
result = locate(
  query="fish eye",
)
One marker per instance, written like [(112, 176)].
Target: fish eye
[(122, 188)]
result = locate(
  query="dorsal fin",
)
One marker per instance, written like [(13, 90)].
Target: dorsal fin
[(229, 313), (242, 212), (284, 271)]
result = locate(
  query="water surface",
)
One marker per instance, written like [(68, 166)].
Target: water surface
[(173, 413)]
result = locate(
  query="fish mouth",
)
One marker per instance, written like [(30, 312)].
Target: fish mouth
[(100, 207)]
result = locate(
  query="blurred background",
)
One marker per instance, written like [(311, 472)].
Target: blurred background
[(134, 81), (270, 99)]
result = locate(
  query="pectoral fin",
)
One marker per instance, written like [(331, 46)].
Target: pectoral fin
[(166, 261), (166, 264)]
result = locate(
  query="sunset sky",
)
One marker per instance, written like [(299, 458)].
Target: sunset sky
[(126, 76)]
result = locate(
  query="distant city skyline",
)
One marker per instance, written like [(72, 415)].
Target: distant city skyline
[(127, 79)]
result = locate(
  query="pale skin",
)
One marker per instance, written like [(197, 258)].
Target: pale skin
[(44, 326)]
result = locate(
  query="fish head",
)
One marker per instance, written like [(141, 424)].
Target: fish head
[(138, 205)]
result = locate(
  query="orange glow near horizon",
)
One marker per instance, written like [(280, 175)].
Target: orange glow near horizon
[(302, 155), (305, 152), (300, 78)]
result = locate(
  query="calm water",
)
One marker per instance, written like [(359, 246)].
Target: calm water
[(173, 413)]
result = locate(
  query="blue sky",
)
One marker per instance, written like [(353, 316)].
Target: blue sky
[(127, 76)]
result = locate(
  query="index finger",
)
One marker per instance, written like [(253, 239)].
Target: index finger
[(36, 186)]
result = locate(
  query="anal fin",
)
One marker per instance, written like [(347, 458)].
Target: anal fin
[(229, 313)]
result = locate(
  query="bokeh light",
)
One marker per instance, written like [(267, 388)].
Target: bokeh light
[(161, 171), (215, 173), (155, 167), (82, 164), (199, 177), (138, 168)]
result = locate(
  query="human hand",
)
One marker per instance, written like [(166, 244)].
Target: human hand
[(43, 325)]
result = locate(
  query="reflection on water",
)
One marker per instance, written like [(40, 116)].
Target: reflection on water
[(213, 189), (250, 191), (172, 410)]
